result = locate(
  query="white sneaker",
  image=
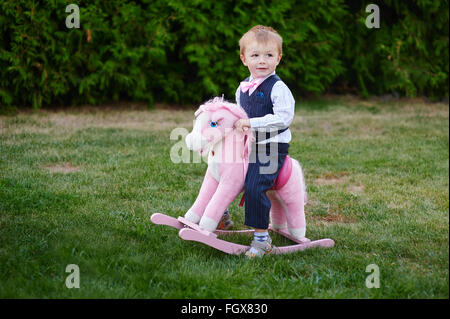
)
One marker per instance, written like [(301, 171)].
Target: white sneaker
[(260, 248)]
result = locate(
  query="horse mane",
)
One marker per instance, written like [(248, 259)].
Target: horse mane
[(218, 103)]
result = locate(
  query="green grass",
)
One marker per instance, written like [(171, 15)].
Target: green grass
[(79, 187)]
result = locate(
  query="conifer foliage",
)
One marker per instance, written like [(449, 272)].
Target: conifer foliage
[(187, 51)]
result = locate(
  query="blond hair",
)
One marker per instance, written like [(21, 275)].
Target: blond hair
[(261, 34)]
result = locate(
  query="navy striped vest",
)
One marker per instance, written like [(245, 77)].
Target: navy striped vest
[(260, 104)]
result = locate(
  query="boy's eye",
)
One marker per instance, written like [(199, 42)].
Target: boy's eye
[(254, 55), (214, 124)]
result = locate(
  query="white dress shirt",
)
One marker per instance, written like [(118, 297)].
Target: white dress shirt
[(283, 112)]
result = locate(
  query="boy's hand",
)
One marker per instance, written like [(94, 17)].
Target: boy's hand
[(242, 125)]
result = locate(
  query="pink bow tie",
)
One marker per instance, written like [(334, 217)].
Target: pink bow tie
[(245, 86)]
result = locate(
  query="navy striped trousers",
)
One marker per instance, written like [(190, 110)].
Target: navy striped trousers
[(265, 163)]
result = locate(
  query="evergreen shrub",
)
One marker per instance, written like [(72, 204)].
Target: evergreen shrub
[(187, 51)]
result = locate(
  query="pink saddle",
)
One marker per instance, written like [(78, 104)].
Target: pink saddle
[(283, 175), (282, 178)]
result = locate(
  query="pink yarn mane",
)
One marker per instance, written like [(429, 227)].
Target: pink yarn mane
[(219, 103)]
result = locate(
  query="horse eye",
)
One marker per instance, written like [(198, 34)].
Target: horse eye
[(213, 124)]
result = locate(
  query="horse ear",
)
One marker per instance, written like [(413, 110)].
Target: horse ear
[(198, 112)]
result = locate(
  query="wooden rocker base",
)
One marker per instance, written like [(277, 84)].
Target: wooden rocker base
[(191, 231)]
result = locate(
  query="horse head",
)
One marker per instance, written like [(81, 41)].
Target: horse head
[(214, 120)]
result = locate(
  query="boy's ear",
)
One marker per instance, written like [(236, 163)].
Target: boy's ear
[(243, 59)]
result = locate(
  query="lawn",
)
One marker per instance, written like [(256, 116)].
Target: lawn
[(79, 187)]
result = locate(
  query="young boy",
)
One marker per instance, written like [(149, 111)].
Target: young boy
[(270, 107)]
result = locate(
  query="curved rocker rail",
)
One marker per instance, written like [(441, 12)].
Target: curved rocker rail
[(236, 249), (233, 232), (190, 231), (161, 219), (219, 244), (300, 247)]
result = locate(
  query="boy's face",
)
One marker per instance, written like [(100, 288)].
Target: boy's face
[(261, 58)]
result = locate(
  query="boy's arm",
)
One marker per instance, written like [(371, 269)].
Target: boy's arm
[(283, 109), (238, 95)]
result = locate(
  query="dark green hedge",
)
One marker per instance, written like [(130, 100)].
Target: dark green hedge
[(408, 54), (187, 51)]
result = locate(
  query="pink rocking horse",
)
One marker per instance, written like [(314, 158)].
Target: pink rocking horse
[(228, 155)]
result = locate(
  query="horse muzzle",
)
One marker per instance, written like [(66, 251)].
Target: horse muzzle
[(196, 142)]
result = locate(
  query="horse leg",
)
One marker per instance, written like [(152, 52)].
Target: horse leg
[(293, 200), (209, 187), (223, 197), (277, 211)]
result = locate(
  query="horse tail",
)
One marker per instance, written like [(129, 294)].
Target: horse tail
[(303, 186)]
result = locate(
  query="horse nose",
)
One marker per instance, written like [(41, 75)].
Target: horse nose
[(195, 141)]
